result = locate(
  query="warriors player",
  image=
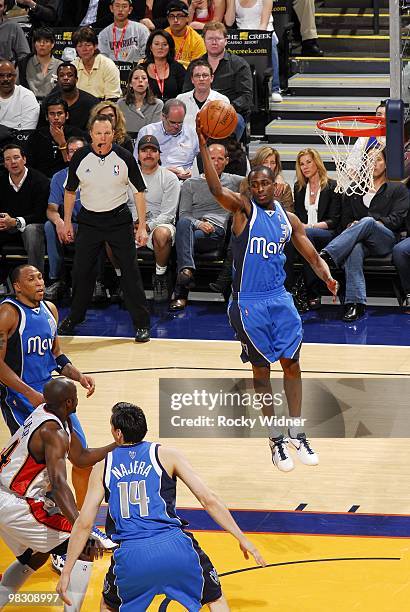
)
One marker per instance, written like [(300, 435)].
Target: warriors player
[(262, 312), (156, 555), (37, 507)]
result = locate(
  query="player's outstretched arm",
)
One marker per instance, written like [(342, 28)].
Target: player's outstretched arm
[(308, 251), (87, 457), (227, 199), (82, 528), (8, 323), (209, 501), (68, 369)]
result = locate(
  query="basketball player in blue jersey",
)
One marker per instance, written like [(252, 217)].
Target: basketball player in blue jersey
[(262, 312), (156, 555), (29, 353)]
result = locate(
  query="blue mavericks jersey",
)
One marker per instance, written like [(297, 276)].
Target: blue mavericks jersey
[(258, 252), (139, 492), (29, 349)]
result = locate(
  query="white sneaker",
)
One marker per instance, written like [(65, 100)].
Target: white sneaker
[(103, 539), (280, 455), (57, 562), (276, 97), (304, 451)]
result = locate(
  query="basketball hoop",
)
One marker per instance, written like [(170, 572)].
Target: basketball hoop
[(353, 143)]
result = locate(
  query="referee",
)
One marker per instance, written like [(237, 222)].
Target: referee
[(103, 171)]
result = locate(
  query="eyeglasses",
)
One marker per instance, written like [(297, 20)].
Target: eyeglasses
[(177, 17), (214, 39), (203, 75)]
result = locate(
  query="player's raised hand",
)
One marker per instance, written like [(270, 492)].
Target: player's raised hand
[(62, 586), (333, 287), (88, 383), (247, 547), (200, 133)]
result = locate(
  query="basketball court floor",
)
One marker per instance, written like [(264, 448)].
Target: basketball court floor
[(335, 536)]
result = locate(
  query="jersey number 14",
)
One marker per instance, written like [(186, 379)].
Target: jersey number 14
[(134, 493)]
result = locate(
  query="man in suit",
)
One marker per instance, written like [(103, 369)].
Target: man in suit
[(41, 12), (86, 12)]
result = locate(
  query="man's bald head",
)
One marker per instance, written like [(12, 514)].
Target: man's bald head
[(61, 395), (7, 62)]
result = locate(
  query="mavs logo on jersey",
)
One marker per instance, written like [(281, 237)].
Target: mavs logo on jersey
[(259, 251), (40, 346), (260, 246)]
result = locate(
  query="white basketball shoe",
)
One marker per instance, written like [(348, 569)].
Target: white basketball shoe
[(280, 454), (304, 451)]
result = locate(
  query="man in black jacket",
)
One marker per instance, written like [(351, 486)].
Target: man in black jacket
[(79, 102), (47, 146), (401, 259), (79, 12), (41, 12), (84, 12), (24, 196), (372, 224)]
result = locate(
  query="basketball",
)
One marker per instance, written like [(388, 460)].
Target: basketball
[(218, 119)]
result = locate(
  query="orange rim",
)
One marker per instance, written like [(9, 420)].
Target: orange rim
[(364, 130)]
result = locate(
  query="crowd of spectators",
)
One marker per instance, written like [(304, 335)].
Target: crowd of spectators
[(179, 62)]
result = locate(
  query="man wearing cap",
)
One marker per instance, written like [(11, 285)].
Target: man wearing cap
[(161, 198), (177, 139), (189, 45)]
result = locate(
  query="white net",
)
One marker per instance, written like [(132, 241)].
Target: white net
[(354, 157)]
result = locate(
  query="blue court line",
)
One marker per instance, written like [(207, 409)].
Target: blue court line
[(308, 523)]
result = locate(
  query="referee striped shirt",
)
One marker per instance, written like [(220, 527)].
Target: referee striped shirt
[(103, 180)]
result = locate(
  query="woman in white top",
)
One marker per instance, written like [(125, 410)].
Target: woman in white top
[(319, 208), (256, 15)]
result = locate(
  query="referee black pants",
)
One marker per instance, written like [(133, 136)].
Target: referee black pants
[(116, 228)]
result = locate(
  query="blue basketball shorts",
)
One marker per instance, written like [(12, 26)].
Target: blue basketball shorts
[(16, 408), (267, 325), (171, 563)]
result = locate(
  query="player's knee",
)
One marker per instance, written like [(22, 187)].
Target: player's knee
[(261, 376), (291, 368)]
